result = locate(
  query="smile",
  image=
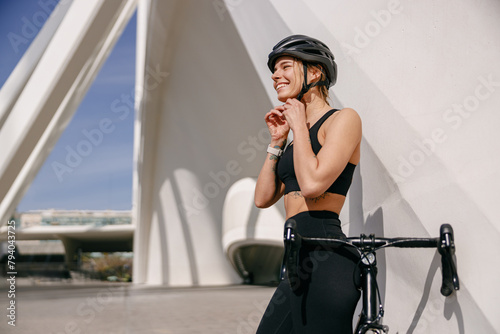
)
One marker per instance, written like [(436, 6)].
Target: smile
[(281, 85)]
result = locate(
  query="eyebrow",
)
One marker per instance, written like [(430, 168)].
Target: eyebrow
[(283, 62)]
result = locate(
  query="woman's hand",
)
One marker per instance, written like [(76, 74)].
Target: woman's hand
[(277, 124), (295, 113)]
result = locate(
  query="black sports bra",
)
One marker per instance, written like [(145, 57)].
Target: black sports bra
[(286, 170)]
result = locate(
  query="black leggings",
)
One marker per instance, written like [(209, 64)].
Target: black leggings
[(325, 297)]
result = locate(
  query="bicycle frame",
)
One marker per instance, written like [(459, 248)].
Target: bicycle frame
[(370, 319)]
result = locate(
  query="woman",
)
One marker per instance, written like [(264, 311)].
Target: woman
[(314, 174)]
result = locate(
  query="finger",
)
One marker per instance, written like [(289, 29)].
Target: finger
[(289, 104), (273, 112), (285, 114), (277, 111), (278, 114), (268, 116), (275, 120)]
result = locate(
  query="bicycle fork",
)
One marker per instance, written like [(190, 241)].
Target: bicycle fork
[(370, 319)]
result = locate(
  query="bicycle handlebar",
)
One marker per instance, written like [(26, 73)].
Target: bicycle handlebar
[(367, 244), (447, 250)]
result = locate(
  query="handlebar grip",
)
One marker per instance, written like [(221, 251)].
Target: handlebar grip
[(446, 229), (290, 224), (446, 248), (292, 242)]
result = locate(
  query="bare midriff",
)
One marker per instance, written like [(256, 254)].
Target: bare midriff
[(296, 203)]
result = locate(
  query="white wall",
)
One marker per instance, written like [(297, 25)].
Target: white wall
[(424, 77), (409, 68)]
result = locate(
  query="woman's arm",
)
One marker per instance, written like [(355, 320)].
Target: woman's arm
[(269, 188), (316, 173)]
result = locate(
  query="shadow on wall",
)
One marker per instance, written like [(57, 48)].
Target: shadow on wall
[(375, 224), (451, 305), (187, 234)]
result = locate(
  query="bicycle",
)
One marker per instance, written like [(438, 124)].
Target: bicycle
[(370, 318)]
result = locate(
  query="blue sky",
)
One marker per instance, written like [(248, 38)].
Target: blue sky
[(102, 179)]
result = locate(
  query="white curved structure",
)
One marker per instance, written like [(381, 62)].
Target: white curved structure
[(252, 238), (423, 75)]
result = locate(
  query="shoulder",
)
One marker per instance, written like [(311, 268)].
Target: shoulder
[(348, 114), (346, 118), (344, 123)]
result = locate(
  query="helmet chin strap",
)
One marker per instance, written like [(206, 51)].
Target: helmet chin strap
[(306, 86)]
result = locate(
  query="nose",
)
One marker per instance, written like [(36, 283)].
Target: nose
[(276, 75)]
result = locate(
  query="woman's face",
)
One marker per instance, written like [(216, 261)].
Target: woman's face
[(287, 78)]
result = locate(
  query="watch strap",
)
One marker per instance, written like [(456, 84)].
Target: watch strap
[(274, 151)]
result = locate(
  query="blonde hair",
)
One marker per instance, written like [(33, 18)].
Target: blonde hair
[(323, 90)]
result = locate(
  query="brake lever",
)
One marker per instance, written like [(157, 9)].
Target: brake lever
[(446, 248), (287, 240)]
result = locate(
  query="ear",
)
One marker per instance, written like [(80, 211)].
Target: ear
[(316, 72)]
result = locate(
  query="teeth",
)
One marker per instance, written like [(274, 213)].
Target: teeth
[(281, 85)]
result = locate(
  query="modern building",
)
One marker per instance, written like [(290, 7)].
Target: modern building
[(44, 235)]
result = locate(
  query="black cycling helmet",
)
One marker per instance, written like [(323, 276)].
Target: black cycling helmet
[(309, 50)]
